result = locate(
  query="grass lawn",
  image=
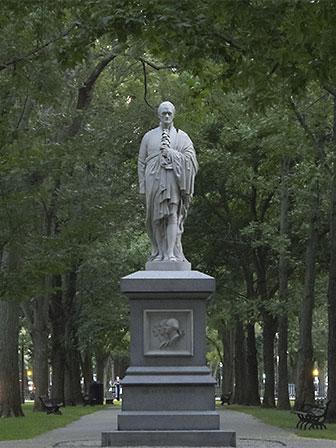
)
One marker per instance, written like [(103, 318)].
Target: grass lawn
[(285, 420), (35, 423)]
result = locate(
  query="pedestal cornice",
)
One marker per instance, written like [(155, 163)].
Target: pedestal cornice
[(159, 283)]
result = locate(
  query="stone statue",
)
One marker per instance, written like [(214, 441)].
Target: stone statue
[(167, 167)]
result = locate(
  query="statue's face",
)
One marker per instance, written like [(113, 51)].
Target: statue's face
[(166, 115)]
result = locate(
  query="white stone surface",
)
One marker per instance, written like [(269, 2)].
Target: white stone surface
[(167, 167)]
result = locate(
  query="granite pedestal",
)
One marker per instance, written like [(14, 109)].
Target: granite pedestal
[(168, 392)]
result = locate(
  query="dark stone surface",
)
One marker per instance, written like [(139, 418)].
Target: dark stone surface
[(175, 420), (168, 392), (190, 438), (169, 282)]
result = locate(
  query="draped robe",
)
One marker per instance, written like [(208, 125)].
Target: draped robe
[(166, 184)]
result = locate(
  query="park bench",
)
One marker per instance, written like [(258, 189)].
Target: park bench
[(313, 416), (50, 405), (89, 399), (225, 398)]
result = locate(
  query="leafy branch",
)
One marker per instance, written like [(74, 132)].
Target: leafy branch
[(145, 62), (310, 136), (38, 49)]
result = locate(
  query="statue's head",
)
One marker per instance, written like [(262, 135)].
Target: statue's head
[(166, 113)]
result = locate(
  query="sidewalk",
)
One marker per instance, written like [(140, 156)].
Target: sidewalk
[(86, 433)]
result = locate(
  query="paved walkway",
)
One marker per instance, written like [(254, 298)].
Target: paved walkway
[(86, 433)]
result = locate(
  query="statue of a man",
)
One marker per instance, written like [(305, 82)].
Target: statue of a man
[(167, 167)]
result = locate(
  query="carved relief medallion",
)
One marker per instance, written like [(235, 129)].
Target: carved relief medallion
[(168, 332)]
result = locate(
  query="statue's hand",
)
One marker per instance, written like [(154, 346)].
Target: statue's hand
[(165, 149), (164, 146)]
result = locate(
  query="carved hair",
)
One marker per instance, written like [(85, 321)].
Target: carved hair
[(165, 104)]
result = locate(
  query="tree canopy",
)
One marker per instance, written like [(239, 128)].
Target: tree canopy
[(253, 83)]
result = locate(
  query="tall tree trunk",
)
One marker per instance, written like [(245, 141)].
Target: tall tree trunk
[(69, 398), (40, 336), (37, 323), (304, 383), (72, 387), (37, 317), (101, 358), (58, 371), (87, 371), (57, 320), (253, 398), (72, 365), (283, 393), (269, 330), (240, 393), (10, 400), (76, 373), (332, 293), (227, 336), (283, 396)]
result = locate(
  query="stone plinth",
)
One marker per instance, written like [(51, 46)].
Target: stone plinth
[(168, 392), (168, 265)]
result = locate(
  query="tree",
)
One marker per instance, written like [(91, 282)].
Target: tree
[(10, 402), (264, 47), (283, 396)]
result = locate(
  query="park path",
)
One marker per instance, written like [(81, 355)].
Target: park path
[(86, 433)]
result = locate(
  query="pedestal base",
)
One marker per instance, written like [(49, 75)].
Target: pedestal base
[(196, 438), (168, 391), (166, 265), (168, 420)]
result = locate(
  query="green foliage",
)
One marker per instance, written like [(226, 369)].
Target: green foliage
[(227, 55)]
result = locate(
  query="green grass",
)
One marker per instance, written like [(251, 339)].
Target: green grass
[(35, 423), (285, 420)]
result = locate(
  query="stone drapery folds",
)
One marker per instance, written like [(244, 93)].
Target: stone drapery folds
[(167, 180)]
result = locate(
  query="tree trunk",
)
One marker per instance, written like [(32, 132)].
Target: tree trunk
[(10, 400), (69, 398), (322, 379), (58, 371), (100, 365), (253, 398), (87, 371), (72, 388), (37, 323), (228, 367), (240, 394), (304, 383), (283, 396), (40, 335), (37, 317), (57, 320), (269, 330), (332, 294)]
